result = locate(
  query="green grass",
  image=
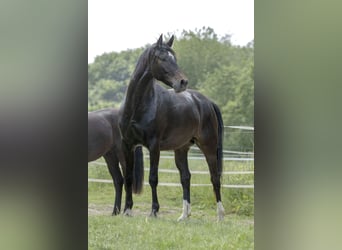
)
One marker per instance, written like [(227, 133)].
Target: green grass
[(201, 231), (141, 232)]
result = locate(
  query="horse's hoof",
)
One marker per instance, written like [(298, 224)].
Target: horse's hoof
[(220, 218), (153, 214), (115, 212), (186, 211), (220, 211), (128, 212), (183, 217)]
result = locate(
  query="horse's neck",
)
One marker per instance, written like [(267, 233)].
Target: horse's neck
[(140, 85)]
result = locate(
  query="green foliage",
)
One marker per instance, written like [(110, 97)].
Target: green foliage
[(215, 67), (237, 102), (199, 53), (108, 78)]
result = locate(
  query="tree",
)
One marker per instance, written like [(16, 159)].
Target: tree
[(199, 53), (221, 71), (108, 78)]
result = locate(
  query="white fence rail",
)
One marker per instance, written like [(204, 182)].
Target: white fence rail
[(172, 171), (168, 184), (198, 156), (192, 172)]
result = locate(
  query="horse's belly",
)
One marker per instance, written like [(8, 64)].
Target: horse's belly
[(175, 142), (179, 133), (100, 140)]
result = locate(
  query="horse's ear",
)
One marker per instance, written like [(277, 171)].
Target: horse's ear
[(160, 41), (170, 42)]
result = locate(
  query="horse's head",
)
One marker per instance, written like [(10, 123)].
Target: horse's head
[(163, 65)]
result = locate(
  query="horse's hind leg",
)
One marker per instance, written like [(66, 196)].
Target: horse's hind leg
[(181, 159), (115, 172), (210, 152)]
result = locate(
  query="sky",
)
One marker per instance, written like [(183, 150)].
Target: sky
[(128, 24)]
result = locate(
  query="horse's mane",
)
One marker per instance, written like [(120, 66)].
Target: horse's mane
[(141, 63)]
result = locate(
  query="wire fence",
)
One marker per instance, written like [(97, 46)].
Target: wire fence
[(196, 154)]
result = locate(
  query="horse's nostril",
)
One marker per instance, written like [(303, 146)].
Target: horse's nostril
[(184, 82)]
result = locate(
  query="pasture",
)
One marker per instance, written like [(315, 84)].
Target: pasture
[(200, 231)]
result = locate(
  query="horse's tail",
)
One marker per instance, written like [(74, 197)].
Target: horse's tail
[(138, 176), (220, 131)]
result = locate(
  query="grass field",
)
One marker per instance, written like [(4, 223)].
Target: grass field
[(200, 231)]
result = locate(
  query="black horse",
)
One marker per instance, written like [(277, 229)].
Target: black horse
[(104, 140), (162, 119)]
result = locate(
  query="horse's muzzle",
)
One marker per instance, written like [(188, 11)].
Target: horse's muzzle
[(180, 86)]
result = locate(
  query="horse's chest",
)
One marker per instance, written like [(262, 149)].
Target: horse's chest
[(142, 125), (146, 111)]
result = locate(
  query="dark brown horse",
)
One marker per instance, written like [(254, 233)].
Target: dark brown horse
[(104, 140), (174, 119)]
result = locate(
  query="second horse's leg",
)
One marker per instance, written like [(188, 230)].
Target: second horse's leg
[(114, 170)]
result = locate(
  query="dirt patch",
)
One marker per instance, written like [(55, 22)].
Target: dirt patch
[(94, 209), (140, 209), (143, 209)]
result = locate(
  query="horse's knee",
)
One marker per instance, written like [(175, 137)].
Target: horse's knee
[(153, 181)]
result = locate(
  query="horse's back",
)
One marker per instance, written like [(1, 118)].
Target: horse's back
[(190, 104), (182, 117), (100, 133)]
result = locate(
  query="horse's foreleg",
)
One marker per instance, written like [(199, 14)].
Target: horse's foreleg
[(128, 177), (153, 178), (114, 170), (181, 159)]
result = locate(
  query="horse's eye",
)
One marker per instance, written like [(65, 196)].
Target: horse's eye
[(163, 57)]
